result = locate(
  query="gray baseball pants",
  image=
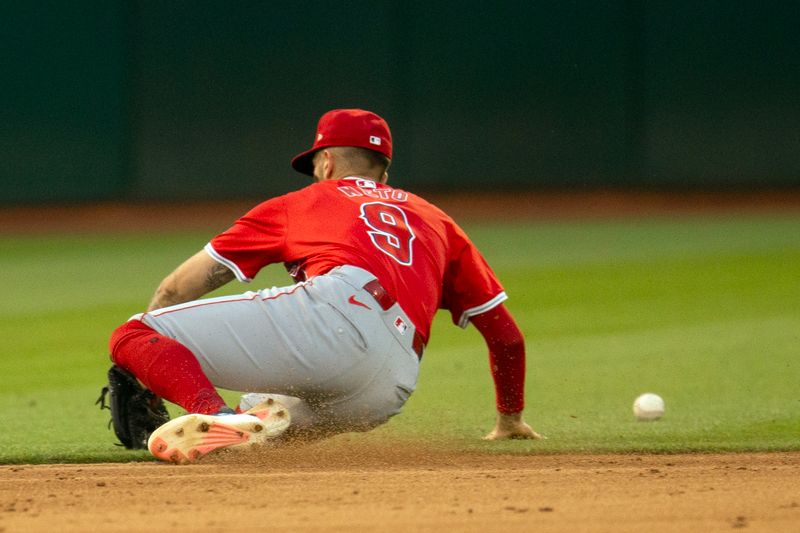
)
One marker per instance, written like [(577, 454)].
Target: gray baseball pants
[(324, 341)]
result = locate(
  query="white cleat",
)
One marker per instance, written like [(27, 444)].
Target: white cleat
[(266, 408), (190, 437), (252, 399)]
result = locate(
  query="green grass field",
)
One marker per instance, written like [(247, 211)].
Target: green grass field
[(704, 311)]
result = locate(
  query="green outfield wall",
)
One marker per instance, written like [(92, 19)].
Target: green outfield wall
[(65, 128), (155, 100)]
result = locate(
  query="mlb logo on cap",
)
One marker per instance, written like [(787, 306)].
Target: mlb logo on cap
[(347, 127)]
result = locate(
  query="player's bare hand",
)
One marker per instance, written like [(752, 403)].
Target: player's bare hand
[(511, 426)]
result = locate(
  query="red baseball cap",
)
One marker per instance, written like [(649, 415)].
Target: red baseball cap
[(347, 127)]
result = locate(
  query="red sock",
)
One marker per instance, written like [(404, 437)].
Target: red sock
[(165, 366)]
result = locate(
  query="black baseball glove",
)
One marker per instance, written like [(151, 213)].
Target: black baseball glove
[(135, 411)]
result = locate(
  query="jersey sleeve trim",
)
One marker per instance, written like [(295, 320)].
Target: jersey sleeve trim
[(463, 322), (228, 263)]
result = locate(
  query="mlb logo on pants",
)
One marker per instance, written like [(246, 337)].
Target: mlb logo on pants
[(401, 325)]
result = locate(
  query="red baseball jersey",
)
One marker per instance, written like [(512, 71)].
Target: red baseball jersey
[(417, 252)]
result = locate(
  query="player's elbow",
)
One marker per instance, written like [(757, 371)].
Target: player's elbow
[(507, 341), (500, 331), (512, 341)]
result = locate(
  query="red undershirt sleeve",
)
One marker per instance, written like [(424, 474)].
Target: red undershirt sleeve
[(506, 357)]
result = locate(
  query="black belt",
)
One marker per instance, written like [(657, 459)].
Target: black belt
[(386, 300)]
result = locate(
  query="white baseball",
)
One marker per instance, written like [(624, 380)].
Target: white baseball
[(648, 406)]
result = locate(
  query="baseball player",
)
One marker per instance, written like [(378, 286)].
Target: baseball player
[(340, 349)]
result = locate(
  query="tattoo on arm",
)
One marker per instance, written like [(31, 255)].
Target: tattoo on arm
[(217, 276), (188, 283)]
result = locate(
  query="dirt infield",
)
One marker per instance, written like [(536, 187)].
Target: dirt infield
[(111, 217), (345, 487)]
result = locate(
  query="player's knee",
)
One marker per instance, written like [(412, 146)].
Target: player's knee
[(123, 334)]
